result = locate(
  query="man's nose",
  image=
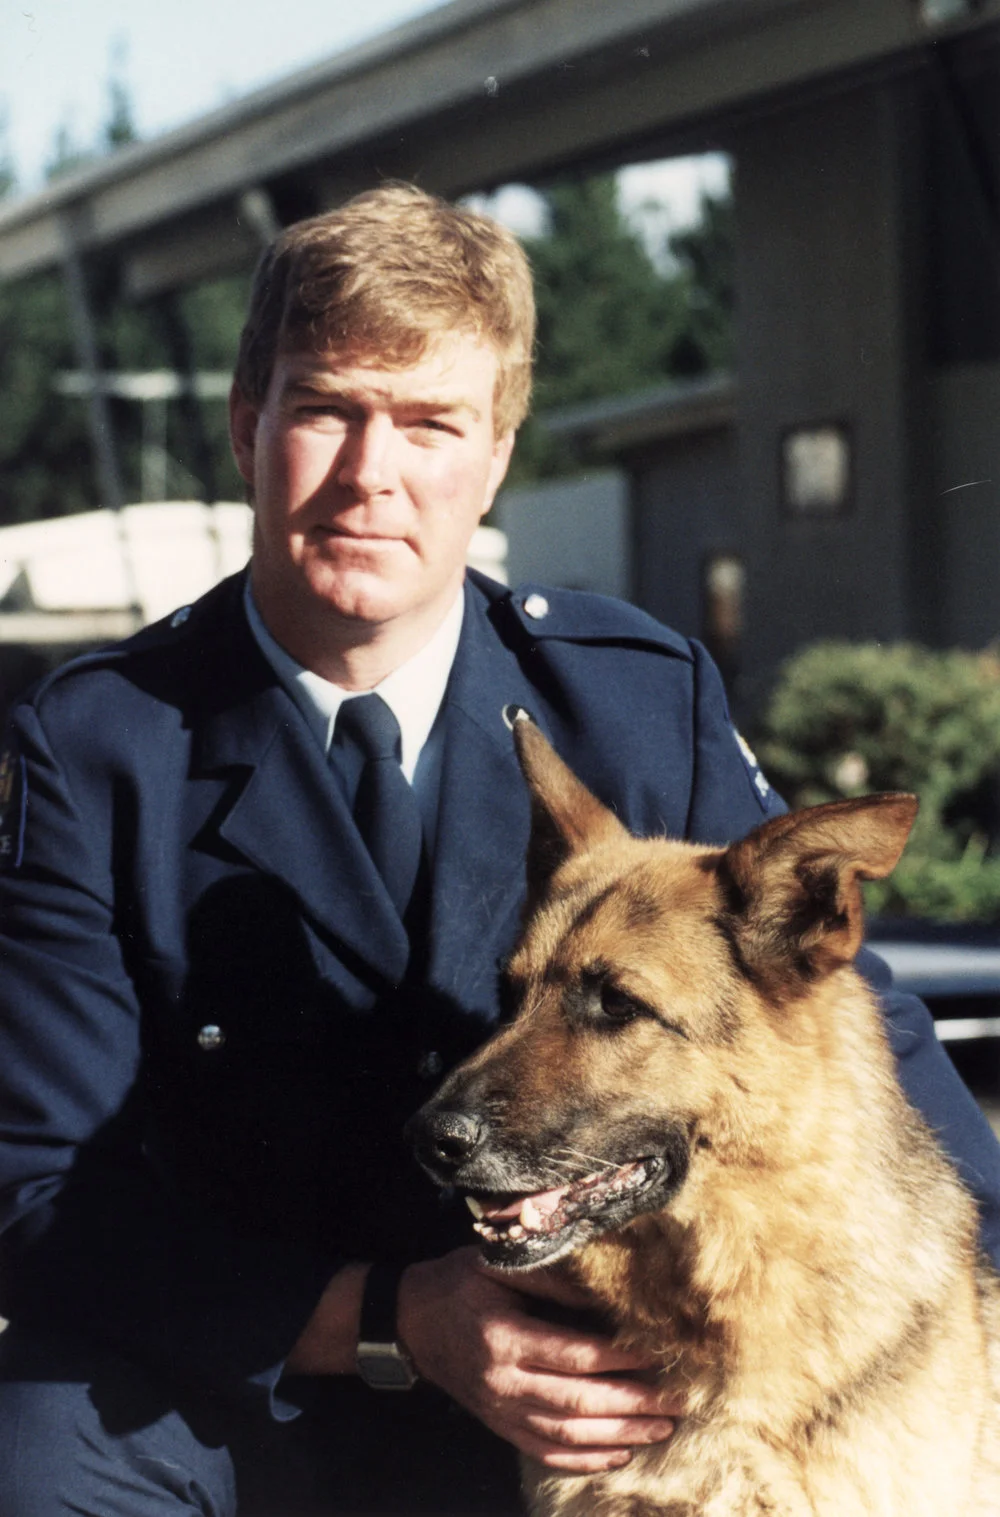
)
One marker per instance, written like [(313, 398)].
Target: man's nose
[(365, 463)]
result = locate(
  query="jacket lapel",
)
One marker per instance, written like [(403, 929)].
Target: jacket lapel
[(483, 817), (290, 819)]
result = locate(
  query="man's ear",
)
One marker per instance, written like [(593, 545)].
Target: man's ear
[(565, 817), (792, 887), (243, 432)]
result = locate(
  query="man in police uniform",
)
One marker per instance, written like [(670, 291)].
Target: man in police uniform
[(262, 863)]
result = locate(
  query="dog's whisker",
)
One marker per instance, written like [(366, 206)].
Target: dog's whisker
[(589, 1158), (561, 1169)]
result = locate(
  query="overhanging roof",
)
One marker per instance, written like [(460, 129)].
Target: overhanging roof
[(621, 423), (470, 95)]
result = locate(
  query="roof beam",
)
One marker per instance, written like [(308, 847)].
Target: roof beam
[(467, 96)]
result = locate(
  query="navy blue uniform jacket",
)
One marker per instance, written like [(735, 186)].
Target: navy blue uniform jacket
[(184, 860)]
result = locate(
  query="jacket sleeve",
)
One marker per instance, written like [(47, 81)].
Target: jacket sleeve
[(93, 1239), (729, 798)]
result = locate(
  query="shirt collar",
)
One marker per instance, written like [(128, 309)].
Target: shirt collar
[(413, 692)]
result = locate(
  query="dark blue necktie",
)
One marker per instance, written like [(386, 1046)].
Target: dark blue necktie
[(385, 807)]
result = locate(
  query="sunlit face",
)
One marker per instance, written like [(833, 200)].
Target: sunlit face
[(367, 486)]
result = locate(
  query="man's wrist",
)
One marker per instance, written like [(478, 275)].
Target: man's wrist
[(383, 1361), (328, 1342)]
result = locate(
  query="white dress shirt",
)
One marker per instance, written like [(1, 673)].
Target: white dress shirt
[(414, 693)]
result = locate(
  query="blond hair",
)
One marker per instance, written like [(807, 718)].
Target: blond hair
[(379, 278)]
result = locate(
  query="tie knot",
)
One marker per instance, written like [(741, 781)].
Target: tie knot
[(368, 721)]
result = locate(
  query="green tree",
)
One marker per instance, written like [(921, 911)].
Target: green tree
[(607, 319), (849, 719), (67, 154), (8, 175), (610, 321), (46, 463), (706, 254), (119, 126)]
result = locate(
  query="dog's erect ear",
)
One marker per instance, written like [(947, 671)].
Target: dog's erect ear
[(792, 886), (565, 817)]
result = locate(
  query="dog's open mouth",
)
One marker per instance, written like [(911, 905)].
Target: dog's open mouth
[(522, 1231)]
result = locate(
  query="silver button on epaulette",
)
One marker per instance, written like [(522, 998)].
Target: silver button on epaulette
[(210, 1038), (536, 606), (180, 617)]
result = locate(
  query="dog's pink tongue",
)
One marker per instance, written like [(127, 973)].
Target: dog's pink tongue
[(530, 1210)]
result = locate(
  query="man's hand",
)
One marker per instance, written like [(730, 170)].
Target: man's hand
[(554, 1392)]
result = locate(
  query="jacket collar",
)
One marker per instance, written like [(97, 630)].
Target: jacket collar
[(291, 820), (290, 817), (484, 812)]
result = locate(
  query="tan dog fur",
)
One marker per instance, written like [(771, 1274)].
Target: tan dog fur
[(813, 1288)]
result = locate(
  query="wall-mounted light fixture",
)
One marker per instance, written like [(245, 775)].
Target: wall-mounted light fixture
[(723, 587), (817, 469)]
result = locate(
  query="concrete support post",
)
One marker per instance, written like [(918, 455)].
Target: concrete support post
[(177, 340), (98, 411)]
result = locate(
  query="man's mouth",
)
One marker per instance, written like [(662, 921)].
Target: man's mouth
[(521, 1231), (363, 539)]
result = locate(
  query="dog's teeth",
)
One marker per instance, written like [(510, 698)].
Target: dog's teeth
[(474, 1207), (517, 1231), (531, 1218)]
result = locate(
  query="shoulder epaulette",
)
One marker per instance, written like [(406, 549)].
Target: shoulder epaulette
[(580, 616), (164, 633)]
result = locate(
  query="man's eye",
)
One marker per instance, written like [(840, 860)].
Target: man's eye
[(321, 408)]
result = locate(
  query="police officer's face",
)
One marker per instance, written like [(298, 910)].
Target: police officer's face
[(368, 484)]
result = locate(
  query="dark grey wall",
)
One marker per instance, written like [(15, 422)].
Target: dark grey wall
[(823, 336), (685, 508), (966, 487)]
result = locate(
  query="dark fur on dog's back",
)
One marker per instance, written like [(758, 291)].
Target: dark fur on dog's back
[(698, 1104)]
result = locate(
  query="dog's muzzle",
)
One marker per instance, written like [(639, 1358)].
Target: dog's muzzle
[(444, 1141)]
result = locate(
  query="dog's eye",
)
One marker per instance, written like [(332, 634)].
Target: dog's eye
[(618, 1007)]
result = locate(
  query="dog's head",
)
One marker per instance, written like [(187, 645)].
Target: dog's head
[(652, 980)]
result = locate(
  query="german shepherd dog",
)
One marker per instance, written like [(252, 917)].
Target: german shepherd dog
[(696, 1110)]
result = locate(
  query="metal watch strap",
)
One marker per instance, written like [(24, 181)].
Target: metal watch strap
[(383, 1362)]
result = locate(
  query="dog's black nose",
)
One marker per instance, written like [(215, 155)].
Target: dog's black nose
[(445, 1140)]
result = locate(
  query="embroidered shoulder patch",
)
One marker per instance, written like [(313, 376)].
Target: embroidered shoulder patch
[(757, 777), (13, 809)]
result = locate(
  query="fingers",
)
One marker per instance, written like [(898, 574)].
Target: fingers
[(605, 1434), (587, 1445), (581, 1462), (565, 1352), (595, 1398), (576, 1424), (552, 1391)]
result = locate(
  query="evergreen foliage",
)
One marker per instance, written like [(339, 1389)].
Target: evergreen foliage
[(46, 460), (8, 178), (46, 467), (850, 719), (610, 320), (607, 320), (706, 254)]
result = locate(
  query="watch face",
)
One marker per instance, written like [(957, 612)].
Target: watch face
[(385, 1367)]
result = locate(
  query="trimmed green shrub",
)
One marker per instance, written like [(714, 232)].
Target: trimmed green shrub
[(846, 719)]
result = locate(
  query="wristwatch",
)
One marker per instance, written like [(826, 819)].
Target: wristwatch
[(382, 1361)]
